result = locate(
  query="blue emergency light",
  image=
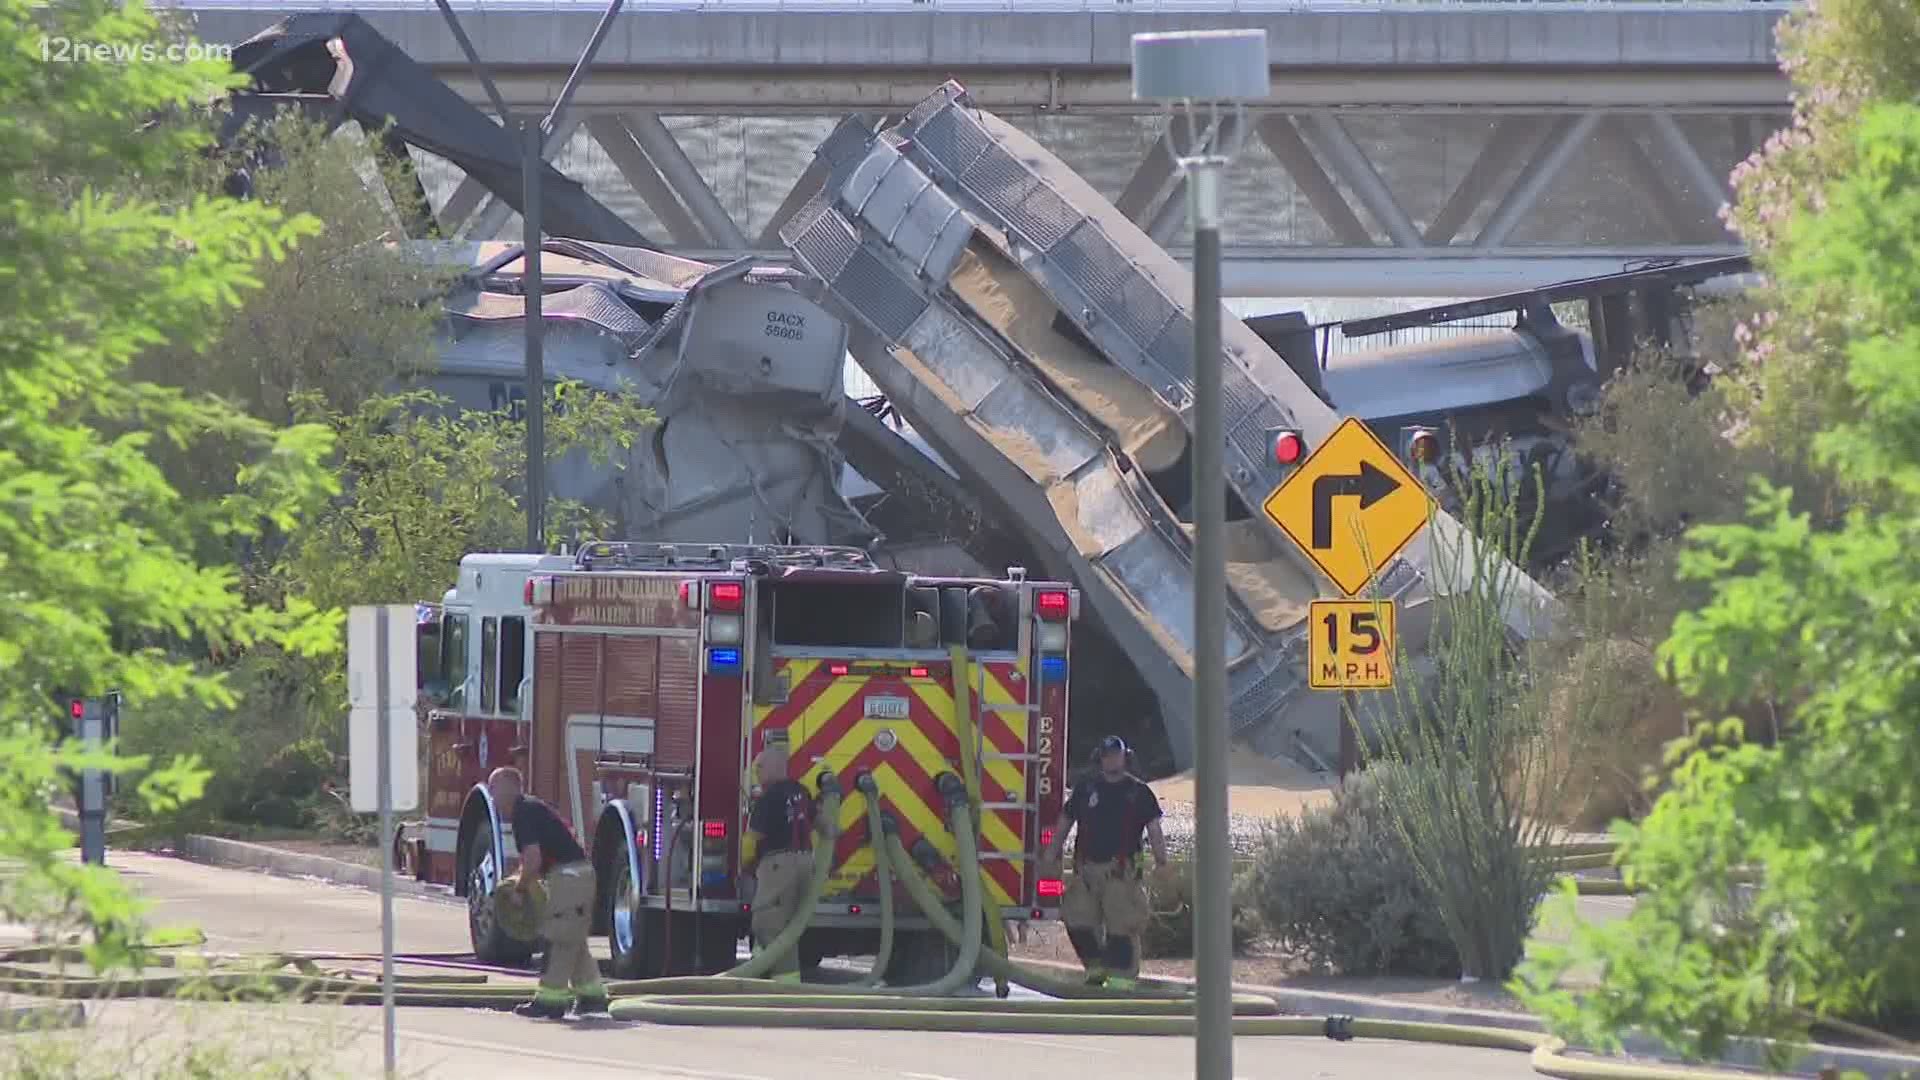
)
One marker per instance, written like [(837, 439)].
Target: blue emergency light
[(723, 661), (1053, 668)]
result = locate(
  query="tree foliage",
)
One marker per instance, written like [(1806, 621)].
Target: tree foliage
[(97, 564), (1822, 617), (1843, 57)]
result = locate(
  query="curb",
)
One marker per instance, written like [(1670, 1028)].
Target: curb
[(31, 1018), (1743, 1054), (241, 855)]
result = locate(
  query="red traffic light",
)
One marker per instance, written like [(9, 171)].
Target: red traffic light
[(1289, 448), (77, 709)]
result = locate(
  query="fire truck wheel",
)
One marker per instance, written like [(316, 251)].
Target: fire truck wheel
[(630, 930), (491, 943)]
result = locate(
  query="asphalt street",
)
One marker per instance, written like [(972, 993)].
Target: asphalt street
[(247, 911)]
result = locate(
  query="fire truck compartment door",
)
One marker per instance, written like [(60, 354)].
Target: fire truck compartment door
[(589, 737)]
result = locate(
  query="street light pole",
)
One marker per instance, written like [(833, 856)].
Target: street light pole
[(1213, 873), (531, 162), (1201, 76)]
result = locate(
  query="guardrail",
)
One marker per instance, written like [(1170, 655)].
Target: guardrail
[(1024, 7)]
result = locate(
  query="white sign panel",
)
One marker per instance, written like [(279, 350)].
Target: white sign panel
[(364, 661), (363, 671), (363, 754)]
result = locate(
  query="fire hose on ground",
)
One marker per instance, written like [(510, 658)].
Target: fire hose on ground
[(743, 998)]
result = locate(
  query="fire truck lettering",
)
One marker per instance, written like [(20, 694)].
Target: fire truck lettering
[(1046, 785)]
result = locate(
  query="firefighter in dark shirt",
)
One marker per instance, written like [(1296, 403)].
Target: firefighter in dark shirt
[(1105, 906), (782, 862), (549, 852)]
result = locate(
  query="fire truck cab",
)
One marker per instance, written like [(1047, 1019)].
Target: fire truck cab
[(633, 684)]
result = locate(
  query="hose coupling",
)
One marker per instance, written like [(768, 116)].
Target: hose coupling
[(952, 788), (889, 824), (866, 783), (1339, 1028), (925, 854), (829, 783)]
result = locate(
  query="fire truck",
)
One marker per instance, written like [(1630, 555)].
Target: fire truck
[(634, 683)]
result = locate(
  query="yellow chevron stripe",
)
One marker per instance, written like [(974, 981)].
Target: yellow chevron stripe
[(995, 831), (901, 797), (940, 702)]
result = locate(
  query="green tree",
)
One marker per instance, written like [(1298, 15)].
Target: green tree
[(1782, 879), (97, 560), (1843, 57), (422, 484)]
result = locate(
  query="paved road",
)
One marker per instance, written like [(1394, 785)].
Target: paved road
[(246, 911)]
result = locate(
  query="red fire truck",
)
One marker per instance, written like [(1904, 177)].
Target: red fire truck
[(633, 683)]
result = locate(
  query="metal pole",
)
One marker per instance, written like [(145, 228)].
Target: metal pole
[(381, 695), (473, 58), (531, 164), (579, 71), (1213, 906)]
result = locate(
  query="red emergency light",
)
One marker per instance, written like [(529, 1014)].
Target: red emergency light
[(1046, 837), (838, 669), (1053, 605), (1289, 448), (726, 595), (917, 672), (714, 830), (687, 597), (1052, 887)]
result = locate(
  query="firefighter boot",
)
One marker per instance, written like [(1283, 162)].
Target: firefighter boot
[(589, 1003), (542, 1007), (1122, 961), (1086, 945)]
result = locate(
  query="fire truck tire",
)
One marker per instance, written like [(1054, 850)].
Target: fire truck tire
[(633, 933), (491, 943)]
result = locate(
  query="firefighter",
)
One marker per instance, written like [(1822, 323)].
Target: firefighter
[(1105, 906), (782, 864), (550, 855)]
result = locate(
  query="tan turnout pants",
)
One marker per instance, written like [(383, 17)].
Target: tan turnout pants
[(780, 885), (1106, 909), (570, 970)]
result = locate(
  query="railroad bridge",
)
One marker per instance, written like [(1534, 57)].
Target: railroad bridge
[(1408, 148)]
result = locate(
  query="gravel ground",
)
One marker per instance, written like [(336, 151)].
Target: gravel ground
[(1243, 831)]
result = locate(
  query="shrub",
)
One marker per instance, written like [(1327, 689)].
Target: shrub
[(1170, 933), (1338, 890)]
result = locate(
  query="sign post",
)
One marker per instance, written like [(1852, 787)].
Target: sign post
[(1350, 507), (381, 688)]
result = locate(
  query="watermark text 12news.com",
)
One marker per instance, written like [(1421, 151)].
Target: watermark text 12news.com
[(62, 50)]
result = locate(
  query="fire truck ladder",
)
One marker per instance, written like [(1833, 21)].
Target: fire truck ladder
[(636, 555)]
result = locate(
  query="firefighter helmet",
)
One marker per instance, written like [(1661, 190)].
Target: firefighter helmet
[(517, 907)]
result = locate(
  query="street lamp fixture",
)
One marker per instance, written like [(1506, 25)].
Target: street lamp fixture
[(1204, 78)]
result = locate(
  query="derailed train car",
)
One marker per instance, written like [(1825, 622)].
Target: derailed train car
[(1043, 344)]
